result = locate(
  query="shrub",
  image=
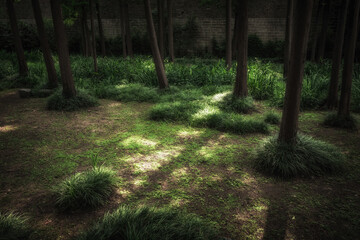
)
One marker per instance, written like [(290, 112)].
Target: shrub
[(14, 227), (60, 103), (151, 223), (334, 120), (239, 105), (128, 93), (86, 190), (307, 157), (272, 118), (255, 46), (173, 111)]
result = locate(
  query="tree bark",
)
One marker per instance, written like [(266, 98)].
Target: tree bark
[(101, 30), (170, 30), (160, 71), (236, 32), (300, 34), (93, 39), (288, 37), (49, 62), (336, 60), (123, 33), (63, 50), (344, 105), (240, 88), (127, 30), (84, 33), (323, 33), (161, 21), (23, 68), (319, 13), (228, 34)]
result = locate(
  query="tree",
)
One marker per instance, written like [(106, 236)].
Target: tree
[(49, 62), (228, 34), (93, 39), (320, 10), (170, 30), (161, 20), (323, 33), (23, 68), (127, 30), (344, 105), (332, 99), (101, 30), (288, 30), (160, 71), (299, 38), (63, 50), (123, 32), (240, 88)]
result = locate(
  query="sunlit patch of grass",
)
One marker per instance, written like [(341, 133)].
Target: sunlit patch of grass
[(8, 128), (13, 226)]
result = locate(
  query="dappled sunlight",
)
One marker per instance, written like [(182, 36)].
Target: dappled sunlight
[(189, 133), (219, 97), (203, 113), (115, 104), (180, 172), (137, 142), (8, 128), (178, 202)]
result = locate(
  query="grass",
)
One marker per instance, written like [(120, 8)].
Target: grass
[(82, 100), (272, 118), (151, 223), (86, 190), (308, 157), (239, 105), (334, 120), (13, 227)]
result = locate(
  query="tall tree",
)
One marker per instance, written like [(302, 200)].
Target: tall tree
[(93, 39), (127, 29), (240, 88), (299, 38), (23, 68), (336, 59), (170, 30), (84, 36), (289, 14), (228, 34), (344, 104), (101, 30), (123, 31), (323, 33), (161, 20), (49, 62), (63, 50), (319, 13), (160, 71)]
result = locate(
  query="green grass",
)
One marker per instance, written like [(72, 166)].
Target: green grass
[(235, 104), (82, 100), (14, 227), (308, 157), (272, 118), (86, 190), (151, 223), (334, 120), (173, 111)]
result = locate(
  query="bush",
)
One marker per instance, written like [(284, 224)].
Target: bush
[(60, 103), (307, 157), (150, 223), (173, 111), (86, 190), (272, 118), (255, 46), (239, 105), (334, 120), (13, 227), (128, 93)]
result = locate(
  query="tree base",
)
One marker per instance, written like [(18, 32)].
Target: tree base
[(82, 100)]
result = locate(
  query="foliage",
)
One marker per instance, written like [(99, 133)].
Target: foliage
[(151, 223), (307, 157), (86, 190), (60, 103), (235, 104), (13, 227), (272, 118), (334, 120), (127, 93), (173, 111)]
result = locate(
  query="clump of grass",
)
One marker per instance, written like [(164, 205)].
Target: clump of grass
[(13, 226), (272, 118), (308, 157), (151, 223), (173, 111), (334, 120), (239, 105), (86, 190), (60, 103)]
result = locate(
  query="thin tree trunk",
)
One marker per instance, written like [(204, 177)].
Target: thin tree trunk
[(23, 68), (240, 88), (161, 20), (228, 34), (300, 34), (336, 60), (236, 32), (123, 33), (101, 30), (323, 33), (93, 39), (127, 30), (288, 37), (160, 71), (344, 105), (170, 30), (317, 29), (49, 62), (84, 32), (63, 50)]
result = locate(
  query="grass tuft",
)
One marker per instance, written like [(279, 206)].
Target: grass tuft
[(13, 226), (272, 118), (82, 100), (334, 120), (173, 111), (86, 190), (239, 105), (308, 157), (151, 223)]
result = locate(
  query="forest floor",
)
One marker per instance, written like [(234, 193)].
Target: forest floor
[(204, 171)]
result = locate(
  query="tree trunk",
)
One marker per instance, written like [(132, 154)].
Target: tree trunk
[(319, 13), (63, 50), (240, 88), (93, 39), (288, 37), (236, 32), (323, 33), (170, 30), (84, 32), (336, 60), (101, 30), (123, 33), (300, 34), (228, 34), (161, 27), (127, 30), (344, 105), (160, 71), (49, 62), (23, 68)]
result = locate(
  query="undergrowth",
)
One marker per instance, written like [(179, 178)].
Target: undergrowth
[(13, 227), (60, 103), (334, 120)]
